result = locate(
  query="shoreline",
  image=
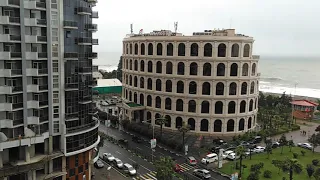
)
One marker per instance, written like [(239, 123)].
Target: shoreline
[(294, 97)]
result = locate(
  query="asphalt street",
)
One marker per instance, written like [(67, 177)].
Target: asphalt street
[(103, 173)]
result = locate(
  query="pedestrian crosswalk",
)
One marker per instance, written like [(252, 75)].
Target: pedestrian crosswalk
[(148, 176), (186, 167)]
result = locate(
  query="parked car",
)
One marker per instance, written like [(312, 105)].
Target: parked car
[(210, 158), (305, 145), (118, 163), (136, 139), (259, 149), (123, 141), (232, 156), (257, 139), (275, 144), (218, 142), (202, 173), (215, 149), (177, 168), (129, 169), (108, 156), (99, 164), (226, 153), (191, 160)]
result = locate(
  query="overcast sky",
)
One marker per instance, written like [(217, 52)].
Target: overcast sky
[(280, 27)]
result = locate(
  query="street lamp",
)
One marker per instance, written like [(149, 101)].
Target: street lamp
[(152, 138)]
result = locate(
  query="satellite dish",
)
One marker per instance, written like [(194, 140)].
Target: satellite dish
[(3, 137)]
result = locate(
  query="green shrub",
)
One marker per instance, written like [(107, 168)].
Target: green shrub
[(267, 174), (303, 152), (256, 167), (295, 155), (315, 162), (298, 169), (253, 176)]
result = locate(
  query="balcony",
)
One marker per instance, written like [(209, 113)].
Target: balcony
[(35, 39), (92, 55), (83, 41), (70, 24), (9, 20), (37, 88), (10, 55), (10, 89), (37, 72), (36, 55), (71, 55), (85, 100), (10, 38), (71, 116), (95, 42), (37, 120), (91, 27), (33, 4), (42, 22), (71, 86), (95, 14), (6, 123), (10, 72), (255, 57), (84, 70), (37, 104), (84, 11), (88, 126), (10, 106), (13, 3)]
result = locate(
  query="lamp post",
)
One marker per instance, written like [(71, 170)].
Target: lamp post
[(152, 149)]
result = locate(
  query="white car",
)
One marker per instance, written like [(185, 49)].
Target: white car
[(209, 158), (129, 169), (232, 156), (226, 153), (305, 145), (118, 163), (108, 157), (259, 149)]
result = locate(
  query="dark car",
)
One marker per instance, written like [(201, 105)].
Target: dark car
[(98, 164), (257, 139), (136, 139), (218, 142), (215, 149), (123, 141), (275, 144)]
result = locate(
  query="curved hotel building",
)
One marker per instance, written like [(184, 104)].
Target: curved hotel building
[(47, 128), (208, 80)]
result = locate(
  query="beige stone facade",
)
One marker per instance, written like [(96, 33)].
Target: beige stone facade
[(208, 81)]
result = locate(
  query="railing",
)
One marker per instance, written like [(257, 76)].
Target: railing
[(42, 38), (43, 118), (70, 23), (40, 4), (15, 54), (17, 121), (41, 21), (71, 85), (95, 42), (43, 103), (17, 105), (43, 87), (91, 55), (17, 88), (71, 55), (42, 55), (82, 127), (43, 71), (84, 10), (71, 116), (84, 40), (91, 26), (16, 71), (14, 19), (94, 14), (14, 2), (255, 57), (15, 38)]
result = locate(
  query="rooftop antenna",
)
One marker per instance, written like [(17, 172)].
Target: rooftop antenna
[(131, 28), (175, 27)]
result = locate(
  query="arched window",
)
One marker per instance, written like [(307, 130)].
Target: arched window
[(193, 69), (181, 49), (157, 116), (204, 125), (246, 50), (230, 125), (180, 68), (127, 79), (192, 124), (136, 49), (235, 50), (245, 69), (135, 65), (255, 103), (135, 97), (168, 121), (149, 101), (142, 49), (130, 80), (142, 66), (207, 50), (180, 87), (150, 66), (243, 105), (130, 96), (207, 69), (192, 87), (169, 68), (241, 125), (233, 89), (126, 94), (127, 66), (159, 49), (217, 125), (141, 82), (168, 86), (158, 85), (127, 49), (170, 49), (249, 123), (149, 116), (206, 88), (150, 49), (253, 71), (130, 64), (159, 67), (222, 49), (192, 106), (231, 107), (194, 49), (158, 102), (178, 122), (149, 84), (168, 104), (221, 69), (220, 89), (251, 105), (179, 105), (234, 69), (244, 87), (254, 120), (135, 81), (130, 48), (205, 107), (142, 99), (252, 88), (218, 107)]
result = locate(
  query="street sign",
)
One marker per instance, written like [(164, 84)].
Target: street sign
[(153, 143)]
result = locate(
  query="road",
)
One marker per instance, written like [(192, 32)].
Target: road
[(102, 174), (146, 170)]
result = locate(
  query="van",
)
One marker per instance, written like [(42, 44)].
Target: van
[(209, 158)]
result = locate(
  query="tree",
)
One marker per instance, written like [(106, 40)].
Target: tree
[(292, 165), (283, 141), (314, 140), (119, 70), (316, 174), (240, 151), (278, 164), (318, 128), (184, 129), (164, 168), (161, 121), (318, 101), (310, 170), (269, 149), (290, 144)]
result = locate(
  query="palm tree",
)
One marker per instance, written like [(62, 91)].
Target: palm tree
[(292, 164), (161, 121), (240, 151), (184, 129)]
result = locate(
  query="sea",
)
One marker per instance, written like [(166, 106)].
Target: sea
[(293, 75)]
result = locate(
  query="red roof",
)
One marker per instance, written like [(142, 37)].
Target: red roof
[(304, 103)]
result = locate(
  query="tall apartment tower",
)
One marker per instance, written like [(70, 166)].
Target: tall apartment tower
[(47, 124)]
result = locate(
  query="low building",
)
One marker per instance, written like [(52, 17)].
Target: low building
[(108, 87), (304, 109)]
